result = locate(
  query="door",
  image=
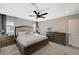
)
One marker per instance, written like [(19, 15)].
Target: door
[(73, 30)]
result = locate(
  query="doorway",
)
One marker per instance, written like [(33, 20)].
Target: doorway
[(73, 30)]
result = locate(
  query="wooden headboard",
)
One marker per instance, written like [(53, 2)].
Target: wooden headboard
[(22, 28)]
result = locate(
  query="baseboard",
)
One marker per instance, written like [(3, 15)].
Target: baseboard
[(70, 45)]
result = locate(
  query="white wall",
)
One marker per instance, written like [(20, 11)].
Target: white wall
[(20, 22), (59, 25)]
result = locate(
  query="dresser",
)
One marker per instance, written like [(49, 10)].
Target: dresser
[(7, 40), (57, 37)]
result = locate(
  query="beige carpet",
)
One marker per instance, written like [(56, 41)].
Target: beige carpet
[(49, 49)]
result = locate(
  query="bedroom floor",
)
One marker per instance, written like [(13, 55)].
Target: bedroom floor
[(49, 49)]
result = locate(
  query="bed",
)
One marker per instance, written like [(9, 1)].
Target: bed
[(27, 41)]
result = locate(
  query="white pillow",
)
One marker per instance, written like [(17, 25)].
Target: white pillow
[(25, 33), (21, 33)]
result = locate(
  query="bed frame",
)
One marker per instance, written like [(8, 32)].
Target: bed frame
[(30, 48)]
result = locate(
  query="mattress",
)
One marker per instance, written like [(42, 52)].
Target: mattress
[(29, 39)]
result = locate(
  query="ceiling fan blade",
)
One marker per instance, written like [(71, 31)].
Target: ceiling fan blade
[(42, 17), (35, 12), (36, 17), (44, 14)]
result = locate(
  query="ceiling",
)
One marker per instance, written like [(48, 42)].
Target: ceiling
[(23, 10)]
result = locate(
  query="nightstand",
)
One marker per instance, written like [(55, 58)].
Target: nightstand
[(7, 40)]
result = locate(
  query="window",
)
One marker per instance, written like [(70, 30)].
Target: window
[(10, 27)]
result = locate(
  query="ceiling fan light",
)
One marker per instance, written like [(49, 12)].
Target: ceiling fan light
[(67, 12)]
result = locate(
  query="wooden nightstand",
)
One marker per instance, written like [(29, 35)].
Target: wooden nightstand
[(7, 40)]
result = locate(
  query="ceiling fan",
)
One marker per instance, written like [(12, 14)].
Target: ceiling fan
[(38, 13)]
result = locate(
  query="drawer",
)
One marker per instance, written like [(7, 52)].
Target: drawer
[(3, 44), (57, 37)]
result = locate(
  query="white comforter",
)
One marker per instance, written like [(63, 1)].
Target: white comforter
[(26, 40)]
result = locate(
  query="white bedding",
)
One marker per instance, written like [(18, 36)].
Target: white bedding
[(26, 40)]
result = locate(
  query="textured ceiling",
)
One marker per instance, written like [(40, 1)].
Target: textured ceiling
[(23, 10)]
